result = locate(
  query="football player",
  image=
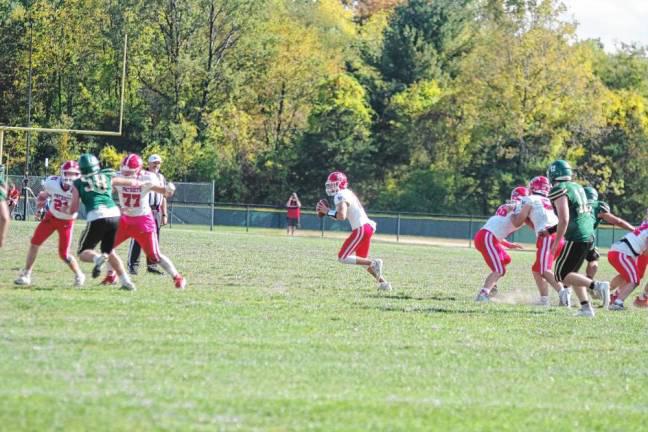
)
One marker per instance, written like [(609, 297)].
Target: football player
[(539, 210), (94, 189), (600, 212), (59, 216), (492, 236), (137, 221), (629, 257), (355, 249), (576, 226)]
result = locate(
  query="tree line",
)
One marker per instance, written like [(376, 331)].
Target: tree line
[(436, 106)]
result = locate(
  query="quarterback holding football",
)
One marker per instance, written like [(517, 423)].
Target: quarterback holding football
[(355, 249)]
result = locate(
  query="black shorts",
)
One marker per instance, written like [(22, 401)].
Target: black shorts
[(100, 230), (593, 254), (292, 221), (571, 258)]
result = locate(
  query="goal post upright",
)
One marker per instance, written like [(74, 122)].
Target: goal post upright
[(76, 131)]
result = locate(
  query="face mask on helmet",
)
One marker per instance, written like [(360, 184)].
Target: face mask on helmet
[(540, 186), (518, 193), (131, 165), (335, 182), (70, 172)]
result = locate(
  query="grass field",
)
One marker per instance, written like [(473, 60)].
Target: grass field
[(273, 334)]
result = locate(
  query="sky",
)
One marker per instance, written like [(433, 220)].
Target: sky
[(612, 21)]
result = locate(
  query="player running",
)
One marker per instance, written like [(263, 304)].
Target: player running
[(355, 249), (137, 221), (629, 257), (539, 210), (576, 226), (600, 212), (94, 189), (60, 216), (492, 236)]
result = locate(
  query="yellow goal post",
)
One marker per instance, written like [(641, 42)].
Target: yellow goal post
[(75, 131)]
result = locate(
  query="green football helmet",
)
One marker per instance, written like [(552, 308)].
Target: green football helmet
[(559, 170), (590, 193), (89, 164)]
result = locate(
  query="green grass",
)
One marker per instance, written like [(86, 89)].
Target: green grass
[(274, 334)]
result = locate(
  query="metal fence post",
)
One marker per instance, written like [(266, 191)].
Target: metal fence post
[(470, 232), (398, 223), (247, 218), (170, 210), (322, 220), (612, 233), (213, 194)]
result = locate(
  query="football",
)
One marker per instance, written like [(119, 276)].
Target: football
[(321, 208)]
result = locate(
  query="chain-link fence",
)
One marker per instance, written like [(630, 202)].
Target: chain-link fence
[(192, 204)]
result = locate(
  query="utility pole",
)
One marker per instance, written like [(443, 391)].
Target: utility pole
[(29, 104)]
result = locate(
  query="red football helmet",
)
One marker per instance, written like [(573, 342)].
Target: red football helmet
[(131, 165), (70, 171), (518, 193), (540, 185), (335, 182)]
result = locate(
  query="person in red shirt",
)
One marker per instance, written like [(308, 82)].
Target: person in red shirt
[(294, 212), (13, 195)]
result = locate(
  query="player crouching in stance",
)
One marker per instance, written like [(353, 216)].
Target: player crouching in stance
[(492, 236), (576, 225), (539, 210), (60, 216), (355, 249), (137, 220), (629, 257)]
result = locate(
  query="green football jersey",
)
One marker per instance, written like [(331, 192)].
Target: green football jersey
[(95, 190), (581, 222), (598, 207)]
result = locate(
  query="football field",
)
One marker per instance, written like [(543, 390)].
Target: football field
[(273, 334)]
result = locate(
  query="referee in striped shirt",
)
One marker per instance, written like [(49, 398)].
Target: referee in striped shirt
[(159, 207)]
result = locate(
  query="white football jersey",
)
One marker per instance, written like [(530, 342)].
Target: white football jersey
[(542, 214), (356, 214), (134, 201), (638, 240), (501, 225), (59, 199)]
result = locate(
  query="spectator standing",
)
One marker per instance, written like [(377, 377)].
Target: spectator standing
[(294, 213)]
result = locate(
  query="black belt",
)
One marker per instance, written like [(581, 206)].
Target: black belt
[(623, 240), (552, 229)]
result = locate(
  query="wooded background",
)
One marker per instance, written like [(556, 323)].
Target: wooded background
[(428, 105)]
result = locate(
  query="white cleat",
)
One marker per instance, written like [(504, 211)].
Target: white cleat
[(603, 290), (384, 286), (24, 279), (79, 280), (542, 301), (377, 267), (128, 286), (593, 294), (616, 307), (586, 311), (482, 296), (565, 297), (99, 261)]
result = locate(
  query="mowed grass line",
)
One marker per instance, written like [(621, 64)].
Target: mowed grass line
[(273, 334)]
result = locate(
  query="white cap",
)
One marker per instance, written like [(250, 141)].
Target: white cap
[(154, 158)]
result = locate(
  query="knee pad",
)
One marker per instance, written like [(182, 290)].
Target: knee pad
[(351, 259)]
